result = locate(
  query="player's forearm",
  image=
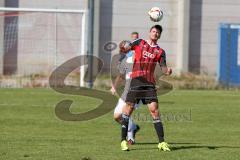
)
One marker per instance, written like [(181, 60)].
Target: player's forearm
[(117, 81), (125, 49), (166, 70), (125, 46)]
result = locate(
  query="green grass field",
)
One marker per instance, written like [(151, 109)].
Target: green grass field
[(198, 125)]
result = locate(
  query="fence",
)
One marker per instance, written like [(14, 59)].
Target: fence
[(33, 42)]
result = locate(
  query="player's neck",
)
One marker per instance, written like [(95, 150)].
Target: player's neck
[(152, 42)]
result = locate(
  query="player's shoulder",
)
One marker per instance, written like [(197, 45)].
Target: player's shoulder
[(159, 49), (162, 50), (137, 42)]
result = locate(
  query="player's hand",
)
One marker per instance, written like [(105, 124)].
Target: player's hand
[(169, 71), (124, 46), (113, 90)]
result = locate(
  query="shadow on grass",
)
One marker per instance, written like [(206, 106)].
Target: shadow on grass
[(139, 149), (184, 145), (150, 143), (204, 146)]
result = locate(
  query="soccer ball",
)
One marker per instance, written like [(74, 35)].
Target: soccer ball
[(155, 14)]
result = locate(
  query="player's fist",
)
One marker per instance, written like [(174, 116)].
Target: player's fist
[(169, 71), (124, 46), (113, 90)]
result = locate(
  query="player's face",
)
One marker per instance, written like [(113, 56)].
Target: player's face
[(134, 37), (154, 34)]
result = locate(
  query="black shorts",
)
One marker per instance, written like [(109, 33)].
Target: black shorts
[(141, 89)]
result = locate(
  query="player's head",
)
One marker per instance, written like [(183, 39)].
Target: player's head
[(134, 36), (155, 32), (123, 46)]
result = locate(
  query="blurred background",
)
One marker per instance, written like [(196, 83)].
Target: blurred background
[(201, 38)]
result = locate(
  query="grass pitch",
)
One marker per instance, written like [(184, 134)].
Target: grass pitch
[(198, 125)]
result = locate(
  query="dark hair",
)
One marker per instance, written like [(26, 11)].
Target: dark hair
[(134, 33), (158, 27)]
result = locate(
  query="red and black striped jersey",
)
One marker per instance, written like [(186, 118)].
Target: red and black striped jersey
[(145, 58)]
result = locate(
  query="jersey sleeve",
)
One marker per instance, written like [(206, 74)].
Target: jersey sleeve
[(135, 43), (162, 59)]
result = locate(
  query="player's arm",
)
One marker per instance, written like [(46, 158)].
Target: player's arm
[(116, 83), (120, 76), (166, 70), (163, 64), (126, 46)]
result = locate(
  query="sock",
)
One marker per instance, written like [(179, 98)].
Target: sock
[(159, 129), (131, 128), (125, 121)]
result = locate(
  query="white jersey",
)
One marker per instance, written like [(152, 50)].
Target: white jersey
[(125, 68)]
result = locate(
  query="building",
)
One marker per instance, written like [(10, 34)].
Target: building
[(190, 35)]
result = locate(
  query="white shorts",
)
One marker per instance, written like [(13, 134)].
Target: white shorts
[(119, 107)]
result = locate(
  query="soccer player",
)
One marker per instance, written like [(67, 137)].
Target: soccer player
[(125, 68), (142, 86), (134, 36)]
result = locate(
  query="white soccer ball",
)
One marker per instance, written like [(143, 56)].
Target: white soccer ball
[(155, 14)]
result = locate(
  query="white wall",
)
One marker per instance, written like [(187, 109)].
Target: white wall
[(128, 16), (118, 18), (214, 12), (1, 38), (54, 4), (38, 50)]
